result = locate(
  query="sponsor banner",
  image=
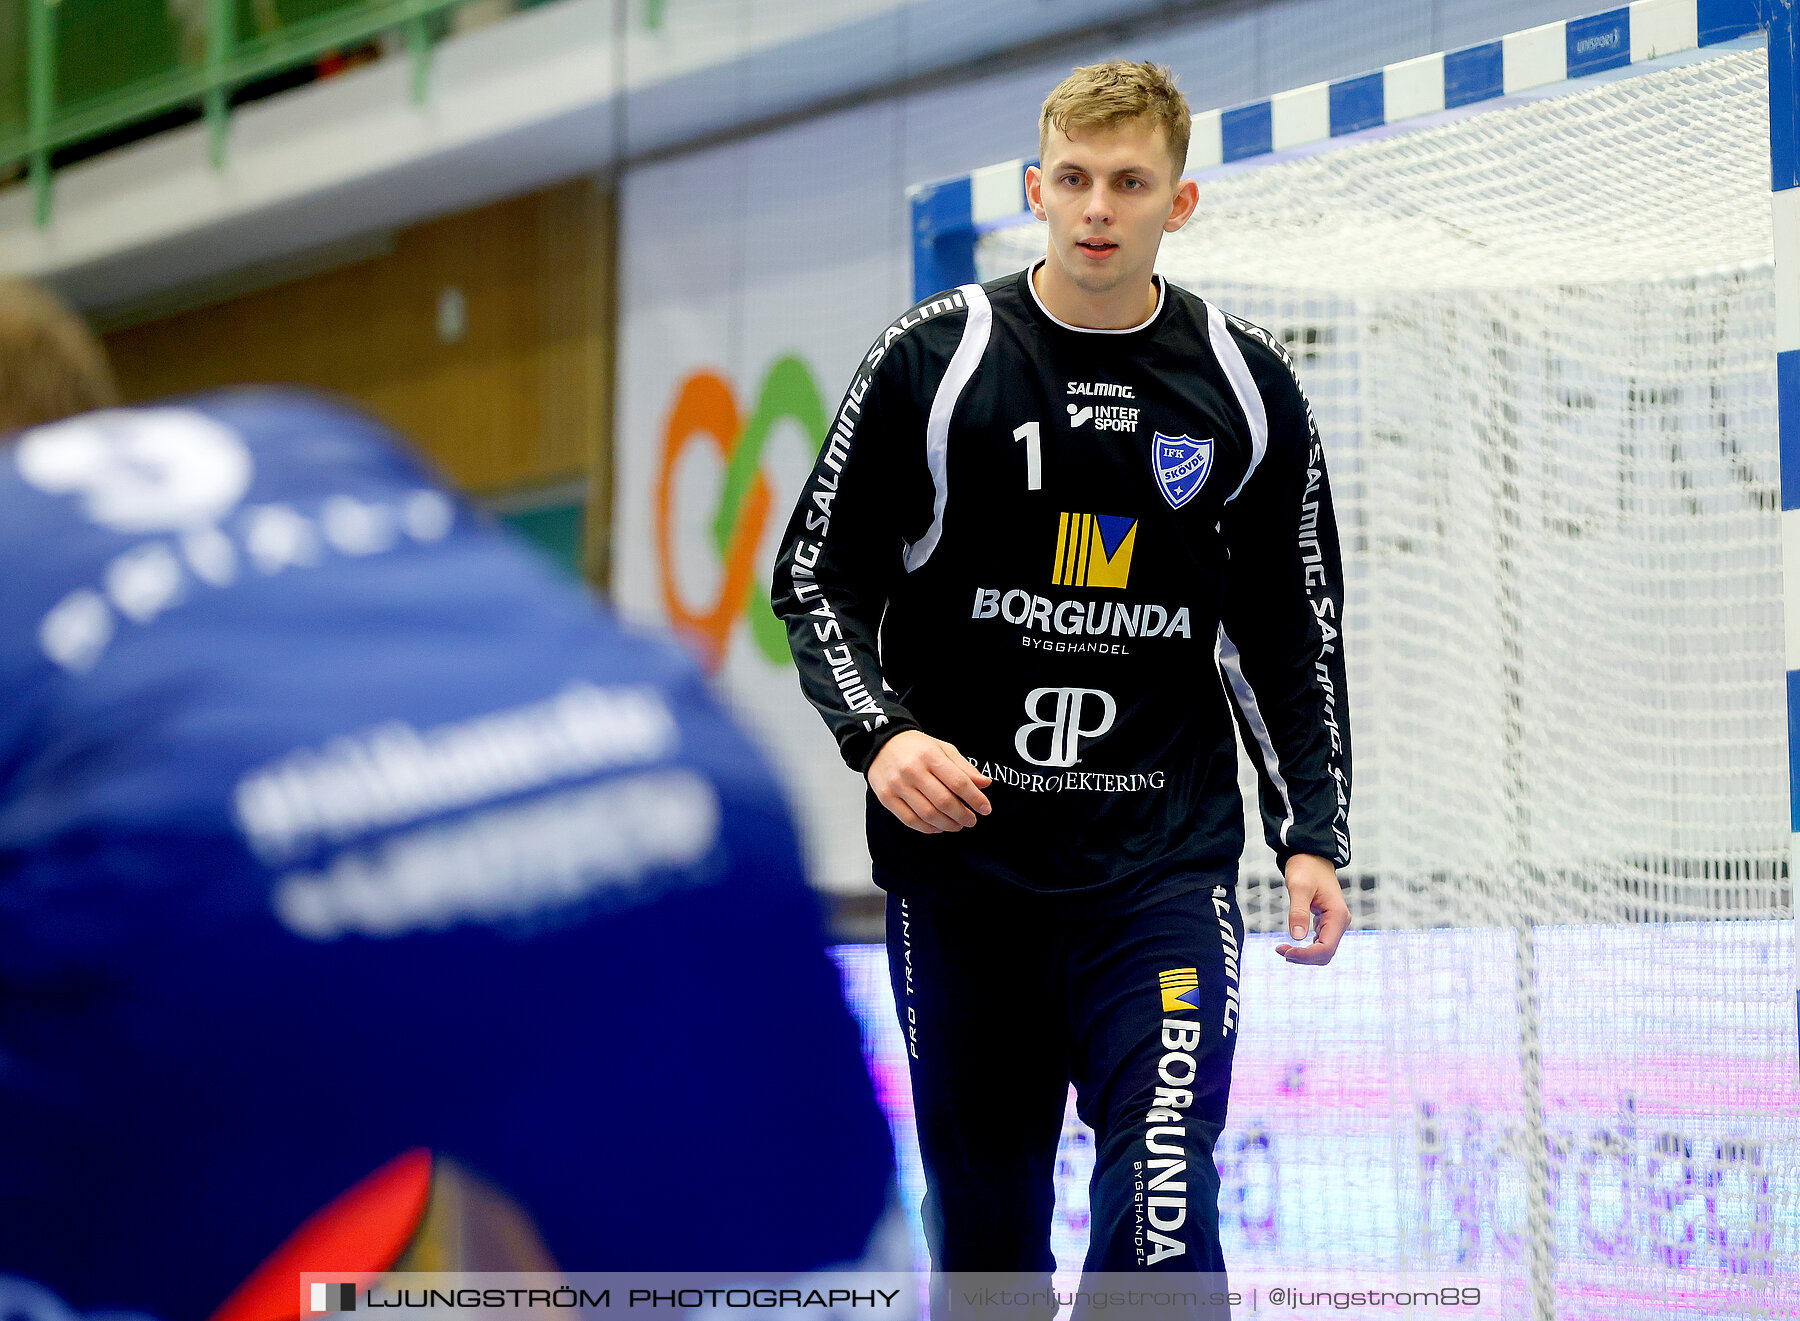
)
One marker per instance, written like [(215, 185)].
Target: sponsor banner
[(742, 322)]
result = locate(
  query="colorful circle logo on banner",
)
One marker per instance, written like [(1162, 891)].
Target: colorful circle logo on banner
[(705, 408)]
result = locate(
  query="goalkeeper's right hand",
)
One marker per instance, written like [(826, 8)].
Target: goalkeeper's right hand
[(928, 784)]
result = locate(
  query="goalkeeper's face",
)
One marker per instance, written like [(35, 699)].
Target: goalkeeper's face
[(1109, 195)]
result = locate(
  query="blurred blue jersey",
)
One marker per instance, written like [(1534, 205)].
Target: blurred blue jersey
[(333, 823)]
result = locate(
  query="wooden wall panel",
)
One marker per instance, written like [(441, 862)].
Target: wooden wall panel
[(522, 399)]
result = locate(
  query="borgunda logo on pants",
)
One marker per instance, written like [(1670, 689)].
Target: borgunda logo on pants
[(1161, 1186)]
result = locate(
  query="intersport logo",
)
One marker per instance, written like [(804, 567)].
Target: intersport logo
[(1075, 714), (1105, 417)]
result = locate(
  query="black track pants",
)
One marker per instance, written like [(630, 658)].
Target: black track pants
[(1006, 998)]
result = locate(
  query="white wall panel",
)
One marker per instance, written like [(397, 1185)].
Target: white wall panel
[(963, 128), (1305, 41), (1469, 22), (946, 31), (1216, 59)]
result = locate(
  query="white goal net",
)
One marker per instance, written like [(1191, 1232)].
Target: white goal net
[(1559, 1054)]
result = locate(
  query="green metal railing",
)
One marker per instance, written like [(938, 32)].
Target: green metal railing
[(75, 70)]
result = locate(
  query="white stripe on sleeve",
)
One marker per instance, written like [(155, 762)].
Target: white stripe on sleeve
[(937, 427), (1237, 371), (1241, 692)]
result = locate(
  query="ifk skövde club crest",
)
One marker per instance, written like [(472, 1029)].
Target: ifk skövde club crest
[(1182, 464)]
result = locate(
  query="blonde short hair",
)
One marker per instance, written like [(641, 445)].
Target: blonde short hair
[(51, 365), (1103, 96)]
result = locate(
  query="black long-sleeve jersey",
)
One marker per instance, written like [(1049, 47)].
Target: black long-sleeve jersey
[(1076, 554)]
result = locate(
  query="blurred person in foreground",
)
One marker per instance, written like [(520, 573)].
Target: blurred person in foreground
[(369, 899)]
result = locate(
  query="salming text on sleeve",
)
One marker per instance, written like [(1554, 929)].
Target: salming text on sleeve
[(866, 510), (1279, 637)]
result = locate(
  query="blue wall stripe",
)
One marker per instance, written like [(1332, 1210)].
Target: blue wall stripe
[(1248, 130), (1793, 694), (1787, 413), (1358, 103), (1725, 20), (1599, 41), (1472, 74)]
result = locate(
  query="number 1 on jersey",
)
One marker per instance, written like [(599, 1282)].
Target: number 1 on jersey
[(1034, 456)]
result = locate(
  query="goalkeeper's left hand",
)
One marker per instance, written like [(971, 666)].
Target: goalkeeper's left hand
[(1315, 903)]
